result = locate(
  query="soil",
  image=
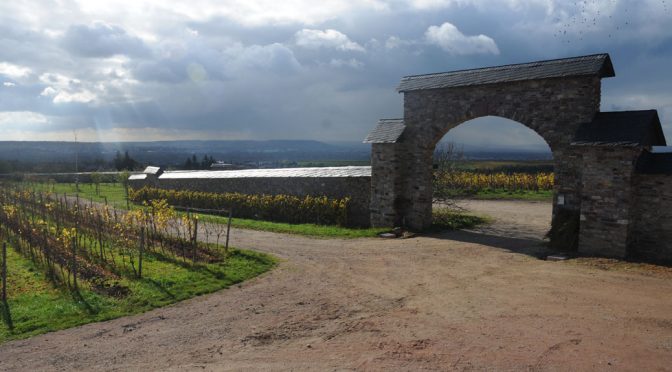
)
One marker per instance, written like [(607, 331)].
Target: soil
[(465, 300)]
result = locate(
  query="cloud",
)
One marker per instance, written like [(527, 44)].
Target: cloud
[(13, 71), (21, 118), (102, 40), (63, 89), (548, 5), (199, 62), (273, 58), (9, 84), (352, 63), (265, 69), (315, 39), (430, 4), (394, 42), (450, 39)]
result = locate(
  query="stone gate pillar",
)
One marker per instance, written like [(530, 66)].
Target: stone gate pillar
[(607, 200), (387, 172), (384, 185)]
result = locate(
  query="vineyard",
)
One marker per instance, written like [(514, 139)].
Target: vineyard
[(281, 208), (479, 181), (110, 262)]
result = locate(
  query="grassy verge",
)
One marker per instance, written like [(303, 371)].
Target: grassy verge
[(35, 306), (489, 194), (113, 193), (307, 229)]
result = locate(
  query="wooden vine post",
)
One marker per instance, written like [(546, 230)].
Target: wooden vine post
[(228, 230), (142, 249), (74, 262), (195, 246), (4, 272)]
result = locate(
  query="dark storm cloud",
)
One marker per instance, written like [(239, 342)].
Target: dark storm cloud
[(199, 61), (102, 40)]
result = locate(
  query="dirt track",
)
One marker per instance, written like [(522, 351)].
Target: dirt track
[(456, 301)]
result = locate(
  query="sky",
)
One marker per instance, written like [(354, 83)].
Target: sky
[(298, 69)]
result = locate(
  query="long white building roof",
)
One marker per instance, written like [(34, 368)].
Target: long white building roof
[(350, 171)]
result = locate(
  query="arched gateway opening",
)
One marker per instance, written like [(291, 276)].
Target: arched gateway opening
[(553, 98), (483, 173)]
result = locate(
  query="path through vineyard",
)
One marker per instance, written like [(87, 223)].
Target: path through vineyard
[(455, 301)]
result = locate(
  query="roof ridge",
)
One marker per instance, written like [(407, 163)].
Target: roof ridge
[(549, 61)]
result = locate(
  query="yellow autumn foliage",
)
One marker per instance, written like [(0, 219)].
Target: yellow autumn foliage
[(281, 208), (475, 181)]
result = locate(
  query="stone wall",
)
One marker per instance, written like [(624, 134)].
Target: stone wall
[(357, 188), (554, 108), (652, 222)]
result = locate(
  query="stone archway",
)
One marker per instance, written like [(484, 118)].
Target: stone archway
[(604, 162), (553, 98)]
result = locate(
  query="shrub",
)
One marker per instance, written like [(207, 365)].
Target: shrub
[(279, 208), (446, 218)]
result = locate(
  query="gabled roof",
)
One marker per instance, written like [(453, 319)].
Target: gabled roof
[(387, 131), (592, 65), (622, 128), (654, 163)]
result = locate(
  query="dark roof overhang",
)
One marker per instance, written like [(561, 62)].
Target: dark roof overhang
[(622, 128)]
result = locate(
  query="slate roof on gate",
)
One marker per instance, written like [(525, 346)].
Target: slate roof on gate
[(386, 131), (591, 65), (654, 163), (622, 128)]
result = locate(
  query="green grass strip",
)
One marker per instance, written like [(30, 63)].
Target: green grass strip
[(35, 306)]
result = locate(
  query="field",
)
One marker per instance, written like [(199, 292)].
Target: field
[(71, 263)]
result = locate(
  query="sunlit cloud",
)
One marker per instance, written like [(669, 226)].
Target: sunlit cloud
[(450, 39), (14, 71), (326, 39)]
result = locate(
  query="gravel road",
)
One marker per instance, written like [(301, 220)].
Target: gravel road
[(468, 300)]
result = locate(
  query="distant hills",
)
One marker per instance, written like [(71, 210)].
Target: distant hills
[(19, 155), (175, 152)]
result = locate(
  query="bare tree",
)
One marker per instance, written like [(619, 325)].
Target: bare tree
[(447, 157)]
